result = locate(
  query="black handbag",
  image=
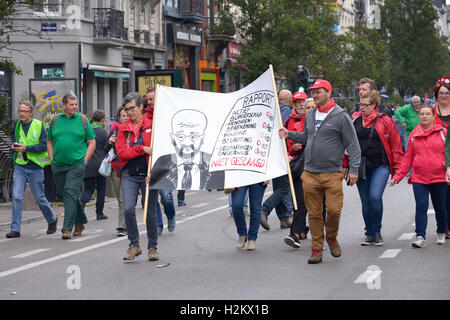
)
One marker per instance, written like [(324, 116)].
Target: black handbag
[(362, 170), (297, 164)]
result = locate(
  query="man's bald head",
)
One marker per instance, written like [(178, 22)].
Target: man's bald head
[(285, 96)]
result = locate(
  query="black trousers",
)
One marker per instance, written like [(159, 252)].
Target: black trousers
[(90, 184), (299, 218)]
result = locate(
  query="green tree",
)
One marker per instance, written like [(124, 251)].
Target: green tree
[(8, 27), (285, 33), (419, 55), (367, 55)]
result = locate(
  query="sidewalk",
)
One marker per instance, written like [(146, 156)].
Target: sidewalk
[(33, 216)]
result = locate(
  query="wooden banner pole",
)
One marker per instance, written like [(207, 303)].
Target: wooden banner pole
[(147, 185), (291, 183)]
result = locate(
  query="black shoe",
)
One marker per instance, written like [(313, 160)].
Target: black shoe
[(292, 241), (368, 241), (52, 227), (378, 240), (121, 232), (13, 234), (102, 217)]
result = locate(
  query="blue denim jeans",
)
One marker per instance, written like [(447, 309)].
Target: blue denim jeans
[(371, 194), (230, 202), (169, 208), (281, 189), (35, 179), (438, 192), (255, 193), (130, 186)]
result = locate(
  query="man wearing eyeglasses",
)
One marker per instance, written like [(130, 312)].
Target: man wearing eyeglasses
[(29, 156), (187, 168), (408, 117)]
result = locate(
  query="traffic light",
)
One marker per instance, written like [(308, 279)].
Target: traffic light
[(302, 79)]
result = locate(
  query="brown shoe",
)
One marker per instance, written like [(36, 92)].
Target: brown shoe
[(285, 223), (152, 255), (132, 252), (264, 222), (78, 230), (247, 213), (335, 248), (66, 234), (316, 257)]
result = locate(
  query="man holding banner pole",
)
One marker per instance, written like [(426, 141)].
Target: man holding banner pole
[(328, 133)]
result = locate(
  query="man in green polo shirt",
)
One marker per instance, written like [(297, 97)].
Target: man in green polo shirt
[(70, 145)]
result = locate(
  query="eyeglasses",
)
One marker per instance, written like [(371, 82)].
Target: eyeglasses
[(444, 93), (193, 136), (130, 108), (365, 105)]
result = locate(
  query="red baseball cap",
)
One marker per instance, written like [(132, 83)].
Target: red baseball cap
[(320, 83), (299, 96)]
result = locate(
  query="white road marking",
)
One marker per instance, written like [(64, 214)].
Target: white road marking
[(29, 253), (390, 253), (92, 247), (363, 277), (430, 211), (223, 198), (84, 238), (201, 205), (407, 236)]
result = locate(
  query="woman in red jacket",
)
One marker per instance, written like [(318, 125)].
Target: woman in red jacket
[(381, 147), (442, 115), (133, 148), (426, 155)]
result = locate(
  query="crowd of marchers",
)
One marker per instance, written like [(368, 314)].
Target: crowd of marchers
[(371, 147)]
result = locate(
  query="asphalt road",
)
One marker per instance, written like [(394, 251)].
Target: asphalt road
[(205, 264)]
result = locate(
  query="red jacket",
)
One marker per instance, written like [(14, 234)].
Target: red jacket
[(295, 122), (426, 154), (125, 137), (390, 139)]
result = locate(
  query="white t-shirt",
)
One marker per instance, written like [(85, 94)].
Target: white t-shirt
[(320, 116)]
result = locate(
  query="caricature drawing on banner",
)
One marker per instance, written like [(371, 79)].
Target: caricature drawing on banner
[(205, 140)]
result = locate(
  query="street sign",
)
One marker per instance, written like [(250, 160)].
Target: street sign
[(53, 73), (48, 27)]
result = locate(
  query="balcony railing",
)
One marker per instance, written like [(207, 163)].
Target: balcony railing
[(192, 9), (108, 23)]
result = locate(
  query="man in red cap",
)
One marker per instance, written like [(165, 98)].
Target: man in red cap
[(329, 132)]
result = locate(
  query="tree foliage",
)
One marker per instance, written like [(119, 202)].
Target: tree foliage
[(418, 55), (285, 33)]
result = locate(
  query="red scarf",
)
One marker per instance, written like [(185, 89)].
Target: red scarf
[(135, 129), (326, 108), (420, 132), (368, 121)]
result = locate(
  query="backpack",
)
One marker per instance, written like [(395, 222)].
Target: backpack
[(83, 120)]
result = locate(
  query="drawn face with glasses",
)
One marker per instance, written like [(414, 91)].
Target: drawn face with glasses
[(188, 132)]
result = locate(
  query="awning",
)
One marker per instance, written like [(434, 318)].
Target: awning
[(97, 67), (113, 75)]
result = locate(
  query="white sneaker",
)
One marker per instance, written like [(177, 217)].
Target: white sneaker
[(440, 238), (419, 243)]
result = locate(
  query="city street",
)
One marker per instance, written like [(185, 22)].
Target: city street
[(199, 261)]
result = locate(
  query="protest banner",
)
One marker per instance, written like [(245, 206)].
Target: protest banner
[(204, 140)]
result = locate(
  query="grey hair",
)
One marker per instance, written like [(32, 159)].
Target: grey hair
[(308, 100), (415, 98), (69, 96), (133, 96)]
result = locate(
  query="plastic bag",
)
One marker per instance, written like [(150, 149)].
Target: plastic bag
[(105, 167)]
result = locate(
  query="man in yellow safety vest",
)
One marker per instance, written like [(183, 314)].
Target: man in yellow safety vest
[(29, 158)]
